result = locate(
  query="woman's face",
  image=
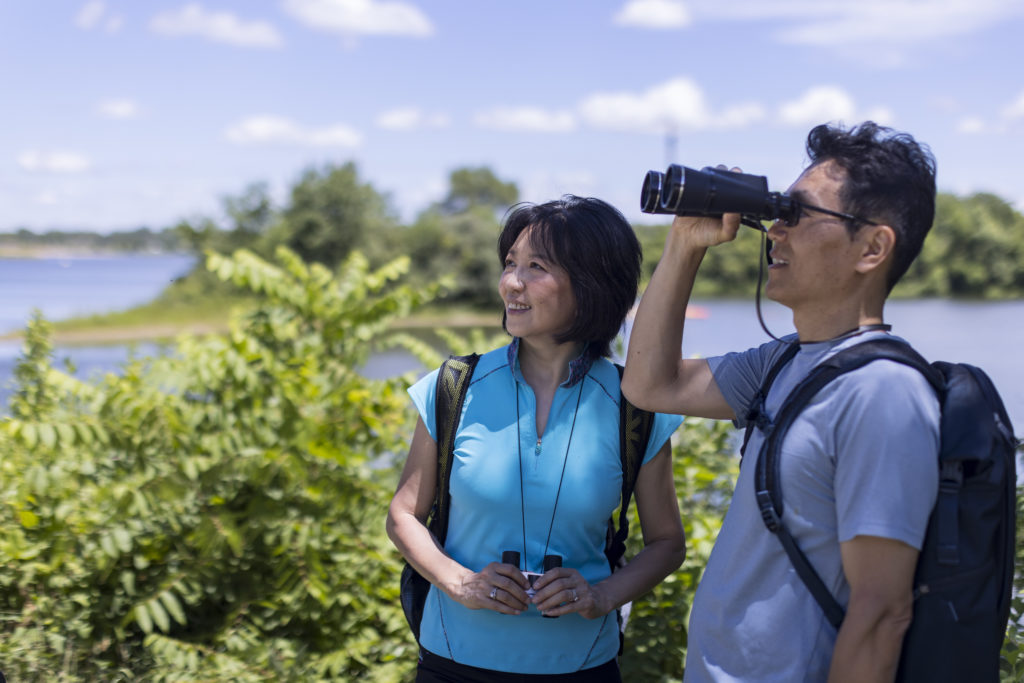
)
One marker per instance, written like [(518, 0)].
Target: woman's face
[(539, 301)]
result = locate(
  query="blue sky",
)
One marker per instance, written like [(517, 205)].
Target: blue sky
[(120, 113)]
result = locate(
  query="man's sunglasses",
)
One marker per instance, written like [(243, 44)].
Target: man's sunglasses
[(791, 218)]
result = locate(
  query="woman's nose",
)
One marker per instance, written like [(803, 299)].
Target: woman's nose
[(512, 280)]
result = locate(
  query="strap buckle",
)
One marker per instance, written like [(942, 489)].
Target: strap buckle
[(768, 514)]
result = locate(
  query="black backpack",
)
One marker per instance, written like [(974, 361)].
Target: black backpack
[(452, 383), (963, 579)]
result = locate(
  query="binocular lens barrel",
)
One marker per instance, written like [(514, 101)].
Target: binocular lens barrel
[(650, 195), (674, 187), (711, 192)]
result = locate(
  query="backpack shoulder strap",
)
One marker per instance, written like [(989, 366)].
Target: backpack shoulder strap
[(452, 384), (766, 476), (756, 415), (635, 427)]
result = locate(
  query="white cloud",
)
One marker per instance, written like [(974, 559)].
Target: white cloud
[(410, 118), (866, 23), (657, 14), (1014, 110), (219, 27), (971, 125), (37, 161), (830, 103), (679, 103), (118, 108), (883, 116), (276, 129), (547, 185), (819, 105), (92, 14), (353, 17), (531, 119)]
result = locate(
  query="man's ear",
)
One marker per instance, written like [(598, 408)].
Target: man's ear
[(877, 244)]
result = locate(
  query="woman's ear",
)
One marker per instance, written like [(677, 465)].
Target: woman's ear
[(878, 242)]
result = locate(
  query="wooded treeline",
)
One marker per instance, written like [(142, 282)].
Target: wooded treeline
[(974, 251)]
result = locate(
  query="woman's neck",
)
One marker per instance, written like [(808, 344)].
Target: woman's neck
[(546, 366)]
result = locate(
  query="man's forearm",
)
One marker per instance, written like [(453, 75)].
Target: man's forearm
[(868, 650), (655, 341)]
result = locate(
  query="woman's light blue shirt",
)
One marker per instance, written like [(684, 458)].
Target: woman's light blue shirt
[(489, 508)]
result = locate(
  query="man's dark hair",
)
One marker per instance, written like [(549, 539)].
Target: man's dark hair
[(599, 251), (890, 178)]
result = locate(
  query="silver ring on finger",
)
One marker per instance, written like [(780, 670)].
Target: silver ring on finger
[(574, 596), (494, 592)]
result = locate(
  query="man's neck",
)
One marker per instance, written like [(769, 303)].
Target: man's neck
[(822, 325)]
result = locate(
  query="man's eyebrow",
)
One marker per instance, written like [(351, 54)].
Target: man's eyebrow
[(800, 195)]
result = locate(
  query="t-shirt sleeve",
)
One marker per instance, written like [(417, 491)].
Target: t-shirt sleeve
[(424, 394), (887, 443), (661, 431), (739, 375)]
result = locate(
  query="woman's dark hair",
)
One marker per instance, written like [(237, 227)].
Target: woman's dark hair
[(596, 246), (890, 178)]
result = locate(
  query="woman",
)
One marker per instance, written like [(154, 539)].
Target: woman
[(536, 468)]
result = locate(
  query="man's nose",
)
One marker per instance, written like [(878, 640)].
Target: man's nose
[(777, 230)]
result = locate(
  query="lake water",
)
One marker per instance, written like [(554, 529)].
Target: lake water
[(989, 335)]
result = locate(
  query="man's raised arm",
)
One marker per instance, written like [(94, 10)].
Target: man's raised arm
[(657, 377)]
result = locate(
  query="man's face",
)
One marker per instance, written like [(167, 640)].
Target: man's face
[(813, 260)]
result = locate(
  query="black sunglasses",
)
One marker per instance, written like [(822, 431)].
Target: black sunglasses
[(800, 207)]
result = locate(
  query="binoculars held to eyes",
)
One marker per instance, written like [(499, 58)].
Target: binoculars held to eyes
[(711, 191)]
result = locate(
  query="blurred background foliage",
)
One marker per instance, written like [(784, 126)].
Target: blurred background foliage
[(218, 514)]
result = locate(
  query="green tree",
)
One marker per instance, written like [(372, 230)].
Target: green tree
[(330, 213), (472, 187), (459, 236), (213, 515)]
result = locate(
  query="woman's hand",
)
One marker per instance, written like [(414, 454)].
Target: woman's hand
[(563, 590), (498, 586)]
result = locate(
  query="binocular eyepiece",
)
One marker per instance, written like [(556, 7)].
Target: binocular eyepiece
[(684, 191)]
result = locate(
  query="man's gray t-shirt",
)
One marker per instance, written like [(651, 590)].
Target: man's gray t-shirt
[(862, 459)]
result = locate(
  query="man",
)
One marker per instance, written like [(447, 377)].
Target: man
[(858, 467)]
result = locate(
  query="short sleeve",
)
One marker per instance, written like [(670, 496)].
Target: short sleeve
[(424, 396), (739, 375), (886, 444), (661, 431)]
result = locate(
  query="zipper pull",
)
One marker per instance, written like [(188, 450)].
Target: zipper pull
[(536, 449)]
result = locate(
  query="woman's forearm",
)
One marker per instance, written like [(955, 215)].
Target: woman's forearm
[(647, 569)]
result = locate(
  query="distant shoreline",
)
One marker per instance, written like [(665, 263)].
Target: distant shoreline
[(126, 334), (155, 332), (34, 252)]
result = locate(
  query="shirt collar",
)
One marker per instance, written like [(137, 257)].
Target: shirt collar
[(578, 367)]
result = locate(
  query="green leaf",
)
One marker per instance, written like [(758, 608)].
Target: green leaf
[(143, 619), (173, 606), (47, 435), (123, 539), (28, 519), (159, 615), (30, 434)]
